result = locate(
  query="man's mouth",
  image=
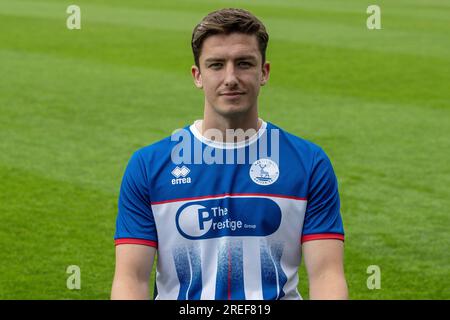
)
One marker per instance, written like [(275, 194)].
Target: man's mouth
[(232, 93)]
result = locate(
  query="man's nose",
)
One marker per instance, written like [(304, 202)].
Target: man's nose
[(230, 76)]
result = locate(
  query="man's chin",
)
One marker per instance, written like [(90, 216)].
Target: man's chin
[(232, 110)]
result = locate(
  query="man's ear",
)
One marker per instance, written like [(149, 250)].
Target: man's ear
[(197, 76), (265, 73)]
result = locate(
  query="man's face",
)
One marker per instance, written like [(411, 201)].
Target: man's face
[(231, 73)]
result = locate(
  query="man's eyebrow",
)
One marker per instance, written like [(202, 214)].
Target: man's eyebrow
[(214, 60), (244, 57)]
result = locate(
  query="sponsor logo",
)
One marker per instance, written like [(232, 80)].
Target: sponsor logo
[(180, 175), (228, 217), (264, 172)]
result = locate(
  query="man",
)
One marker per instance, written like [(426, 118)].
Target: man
[(234, 224)]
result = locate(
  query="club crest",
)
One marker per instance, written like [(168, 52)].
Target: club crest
[(264, 172)]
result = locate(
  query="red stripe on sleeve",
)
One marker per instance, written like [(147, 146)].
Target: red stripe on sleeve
[(136, 241), (321, 236)]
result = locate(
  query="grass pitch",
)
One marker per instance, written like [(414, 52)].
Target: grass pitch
[(74, 105)]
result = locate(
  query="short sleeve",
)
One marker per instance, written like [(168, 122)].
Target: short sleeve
[(322, 217), (135, 222)]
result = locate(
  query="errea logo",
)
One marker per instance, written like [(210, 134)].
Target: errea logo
[(180, 175)]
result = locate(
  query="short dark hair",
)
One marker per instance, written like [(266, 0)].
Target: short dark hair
[(226, 21)]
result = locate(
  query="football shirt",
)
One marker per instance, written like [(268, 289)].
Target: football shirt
[(228, 221)]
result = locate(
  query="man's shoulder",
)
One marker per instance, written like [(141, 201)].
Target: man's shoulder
[(297, 142)]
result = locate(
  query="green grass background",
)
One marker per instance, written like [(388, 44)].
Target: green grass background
[(75, 104)]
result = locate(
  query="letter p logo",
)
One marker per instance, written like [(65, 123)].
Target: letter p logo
[(203, 215)]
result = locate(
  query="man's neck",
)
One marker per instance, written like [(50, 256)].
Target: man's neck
[(209, 126)]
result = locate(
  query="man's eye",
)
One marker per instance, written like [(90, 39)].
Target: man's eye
[(215, 65), (245, 64)]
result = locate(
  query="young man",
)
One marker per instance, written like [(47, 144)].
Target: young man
[(230, 202)]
